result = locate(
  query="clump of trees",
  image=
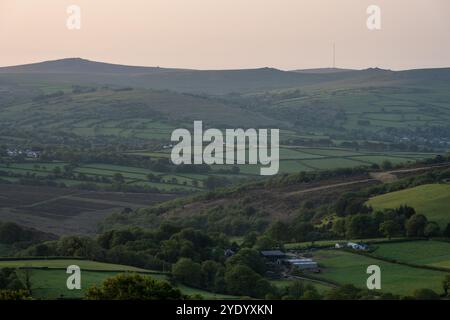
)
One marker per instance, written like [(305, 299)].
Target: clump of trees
[(12, 287), (133, 287), (403, 221)]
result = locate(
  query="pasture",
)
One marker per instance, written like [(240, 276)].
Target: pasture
[(429, 253), (431, 200), (298, 158), (349, 268), (292, 160), (48, 277)]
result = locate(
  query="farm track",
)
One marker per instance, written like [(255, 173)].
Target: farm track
[(376, 177), (49, 200), (333, 186)]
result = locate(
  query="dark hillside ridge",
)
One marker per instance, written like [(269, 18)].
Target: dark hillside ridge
[(76, 71)]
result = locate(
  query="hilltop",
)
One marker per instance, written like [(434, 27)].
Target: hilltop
[(212, 81)]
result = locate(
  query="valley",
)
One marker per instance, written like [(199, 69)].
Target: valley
[(86, 178)]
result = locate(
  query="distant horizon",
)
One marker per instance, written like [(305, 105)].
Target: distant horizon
[(221, 69)]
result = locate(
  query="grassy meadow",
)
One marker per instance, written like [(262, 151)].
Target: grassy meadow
[(431, 200), (48, 277), (429, 253), (348, 268)]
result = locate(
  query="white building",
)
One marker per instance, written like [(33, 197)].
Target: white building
[(303, 263), (357, 246)]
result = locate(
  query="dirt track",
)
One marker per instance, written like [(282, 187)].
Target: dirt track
[(386, 176)]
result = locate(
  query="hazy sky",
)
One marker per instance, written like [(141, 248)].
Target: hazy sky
[(218, 34)]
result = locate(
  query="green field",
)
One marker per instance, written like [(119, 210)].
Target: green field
[(430, 253), (292, 160), (51, 284), (348, 268), (64, 263), (48, 277), (432, 200), (296, 158)]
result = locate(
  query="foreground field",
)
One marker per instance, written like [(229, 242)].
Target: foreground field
[(48, 277), (64, 263), (432, 200), (51, 284), (430, 253), (344, 267)]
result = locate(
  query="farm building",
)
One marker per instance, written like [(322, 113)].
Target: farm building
[(357, 246), (303, 263), (273, 254)]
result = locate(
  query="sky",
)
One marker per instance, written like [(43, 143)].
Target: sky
[(229, 34)]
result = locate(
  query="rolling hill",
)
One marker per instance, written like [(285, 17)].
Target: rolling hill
[(76, 70), (325, 107)]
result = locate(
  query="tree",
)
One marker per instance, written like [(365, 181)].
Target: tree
[(210, 270), (386, 165), (432, 230), (405, 211), (249, 239), (153, 178), (425, 294), (360, 226), (415, 226), (14, 295), (447, 231), (265, 243), (279, 231), (389, 228), (339, 227), (57, 171), (10, 233), (296, 289), (9, 280), (26, 275), (133, 287), (241, 280), (250, 258), (301, 231), (118, 178), (345, 292), (311, 294), (446, 284), (187, 272), (73, 246)]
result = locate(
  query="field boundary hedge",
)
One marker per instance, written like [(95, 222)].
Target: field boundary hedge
[(149, 272), (412, 265), (45, 258)]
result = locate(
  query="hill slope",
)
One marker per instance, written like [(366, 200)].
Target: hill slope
[(211, 81), (432, 200)]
